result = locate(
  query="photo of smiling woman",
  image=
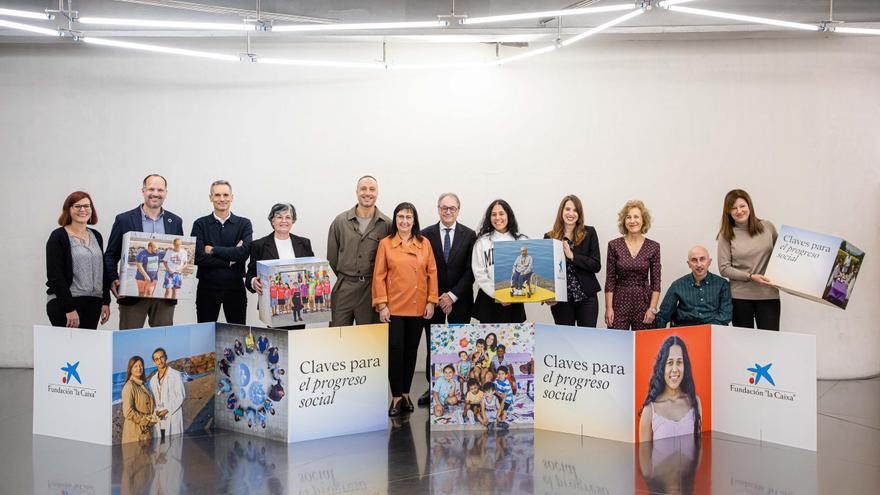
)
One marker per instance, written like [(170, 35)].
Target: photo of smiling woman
[(671, 407), (137, 404)]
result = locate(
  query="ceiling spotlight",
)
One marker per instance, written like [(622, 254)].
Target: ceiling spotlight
[(208, 26), (365, 26), (744, 18), (27, 15)]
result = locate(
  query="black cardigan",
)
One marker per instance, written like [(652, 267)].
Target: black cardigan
[(59, 268), (587, 261)]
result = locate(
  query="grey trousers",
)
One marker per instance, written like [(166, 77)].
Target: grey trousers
[(158, 311), (352, 302)]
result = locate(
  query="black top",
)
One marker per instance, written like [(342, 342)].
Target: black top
[(59, 268), (132, 221), (214, 269), (587, 260), (264, 249), (457, 274)]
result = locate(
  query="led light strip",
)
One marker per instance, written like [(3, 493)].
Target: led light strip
[(29, 28), (108, 21), (548, 13), (743, 18), (303, 28), (855, 30), (27, 15), (602, 27), (159, 49)]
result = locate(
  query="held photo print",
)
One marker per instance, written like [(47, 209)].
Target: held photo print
[(157, 265)]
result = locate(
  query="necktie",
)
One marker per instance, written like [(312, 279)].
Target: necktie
[(447, 245)]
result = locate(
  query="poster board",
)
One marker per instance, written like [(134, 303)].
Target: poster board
[(301, 385), (159, 266), (529, 271), (463, 362), (726, 368), (818, 267), (82, 375), (295, 292)]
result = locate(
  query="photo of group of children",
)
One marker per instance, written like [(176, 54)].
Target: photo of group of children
[(154, 265), (298, 291), (250, 380), (843, 276), (482, 375)]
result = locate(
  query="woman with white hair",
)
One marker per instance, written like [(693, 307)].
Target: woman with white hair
[(278, 245)]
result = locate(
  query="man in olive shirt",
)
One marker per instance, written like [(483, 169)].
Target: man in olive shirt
[(699, 297), (351, 249)]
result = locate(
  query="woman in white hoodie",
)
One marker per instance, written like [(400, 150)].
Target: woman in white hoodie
[(499, 224)]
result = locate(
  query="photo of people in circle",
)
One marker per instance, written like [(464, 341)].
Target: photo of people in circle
[(482, 376), (673, 382), (252, 382), (157, 265)]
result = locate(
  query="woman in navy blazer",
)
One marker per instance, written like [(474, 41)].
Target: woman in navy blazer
[(282, 216), (582, 262), (78, 291)]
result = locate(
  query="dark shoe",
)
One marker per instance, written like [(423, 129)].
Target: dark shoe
[(425, 399), (395, 408), (407, 404)]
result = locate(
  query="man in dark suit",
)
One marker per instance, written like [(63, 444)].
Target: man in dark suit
[(452, 243), (149, 217)]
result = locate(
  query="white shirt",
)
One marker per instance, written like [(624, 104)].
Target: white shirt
[(176, 260), (285, 249), (222, 220), (451, 242), (483, 262)]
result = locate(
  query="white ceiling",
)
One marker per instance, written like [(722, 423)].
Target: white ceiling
[(860, 12)]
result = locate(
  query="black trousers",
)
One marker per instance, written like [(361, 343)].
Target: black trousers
[(88, 308), (441, 318), (763, 312), (582, 313), (208, 302), (404, 334), (486, 310)]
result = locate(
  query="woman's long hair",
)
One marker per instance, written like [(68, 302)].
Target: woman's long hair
[(580, 232), (658, 383), (416, 230), (727, 222), (494, 345), (512, 227), (131, 362)]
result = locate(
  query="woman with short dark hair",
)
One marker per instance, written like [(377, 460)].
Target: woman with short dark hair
[(281, 244), (79, 294)]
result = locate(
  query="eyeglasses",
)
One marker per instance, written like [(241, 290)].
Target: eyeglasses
[(448, 209), (81, 207)]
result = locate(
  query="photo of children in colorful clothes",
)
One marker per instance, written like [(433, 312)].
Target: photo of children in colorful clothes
[(297, 294), (482, 376)]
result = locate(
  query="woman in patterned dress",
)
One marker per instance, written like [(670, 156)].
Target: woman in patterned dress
[(632, 277)]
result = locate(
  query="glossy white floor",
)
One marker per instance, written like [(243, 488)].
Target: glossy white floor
[(407, 459)]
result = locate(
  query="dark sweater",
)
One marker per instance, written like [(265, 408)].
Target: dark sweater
[(59, 268), (214, 269)]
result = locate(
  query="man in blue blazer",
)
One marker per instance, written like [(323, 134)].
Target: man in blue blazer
[(452, 243), (149, 217)]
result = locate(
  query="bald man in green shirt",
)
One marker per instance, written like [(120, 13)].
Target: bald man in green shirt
[(700, 297)]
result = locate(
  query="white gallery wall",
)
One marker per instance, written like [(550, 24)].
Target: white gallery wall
[(676, 123)]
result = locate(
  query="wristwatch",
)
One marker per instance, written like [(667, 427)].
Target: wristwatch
[(655, 310)]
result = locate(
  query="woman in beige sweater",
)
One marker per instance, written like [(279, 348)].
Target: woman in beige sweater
[(137, 404), (745, 243)]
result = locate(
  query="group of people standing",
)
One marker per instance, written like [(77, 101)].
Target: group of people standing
[(391, 270)]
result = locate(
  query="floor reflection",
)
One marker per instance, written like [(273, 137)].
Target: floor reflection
[(399, 461)]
